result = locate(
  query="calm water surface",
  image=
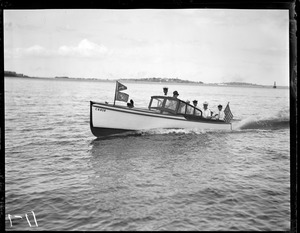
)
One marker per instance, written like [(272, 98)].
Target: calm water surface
[(151, 180)]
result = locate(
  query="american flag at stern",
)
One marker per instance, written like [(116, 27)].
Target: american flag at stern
[(228, 114)]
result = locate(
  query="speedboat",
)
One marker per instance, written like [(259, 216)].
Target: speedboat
[(163, 112)]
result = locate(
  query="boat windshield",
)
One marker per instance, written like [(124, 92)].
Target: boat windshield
[(171, 105)]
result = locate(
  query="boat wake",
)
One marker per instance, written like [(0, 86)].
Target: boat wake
[(281, 120), (174, 131), (158, 131), (278, 121)]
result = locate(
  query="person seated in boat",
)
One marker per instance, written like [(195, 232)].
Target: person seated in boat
[(189, 109), (175, 94), (197, 113), (172, 104), (131, 104), (220, 114), (182, 107), (206, 112), (195, 102)]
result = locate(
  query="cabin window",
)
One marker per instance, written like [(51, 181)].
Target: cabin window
[(171, 104), (157, 102), (190, 110), (182, 108), (198, 112)]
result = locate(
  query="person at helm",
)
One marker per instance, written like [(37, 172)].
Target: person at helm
[(220, 114)]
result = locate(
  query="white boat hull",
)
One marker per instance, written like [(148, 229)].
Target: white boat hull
[(107, 120)]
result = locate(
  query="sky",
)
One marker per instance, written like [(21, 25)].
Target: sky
[(207, 45)]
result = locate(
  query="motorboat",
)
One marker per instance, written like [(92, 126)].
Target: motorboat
[(163, 112)]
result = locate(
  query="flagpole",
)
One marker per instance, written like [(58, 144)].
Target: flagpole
[(115, 92)]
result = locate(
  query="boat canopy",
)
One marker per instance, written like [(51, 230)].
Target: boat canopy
[(174, 106)]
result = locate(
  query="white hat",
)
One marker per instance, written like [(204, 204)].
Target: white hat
[(205, 103)]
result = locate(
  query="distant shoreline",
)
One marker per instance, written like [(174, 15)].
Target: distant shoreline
[(8, 74)]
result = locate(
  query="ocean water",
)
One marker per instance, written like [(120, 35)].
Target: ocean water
[(151, 180)]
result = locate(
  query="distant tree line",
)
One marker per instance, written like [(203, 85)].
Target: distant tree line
[(241, 83), (154, 79), (63, 77), (13, 74)]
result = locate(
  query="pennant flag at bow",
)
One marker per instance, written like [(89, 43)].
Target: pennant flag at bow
[(228, 114), (120, 86)]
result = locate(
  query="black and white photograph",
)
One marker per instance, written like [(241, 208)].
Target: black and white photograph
[(148, 119)]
